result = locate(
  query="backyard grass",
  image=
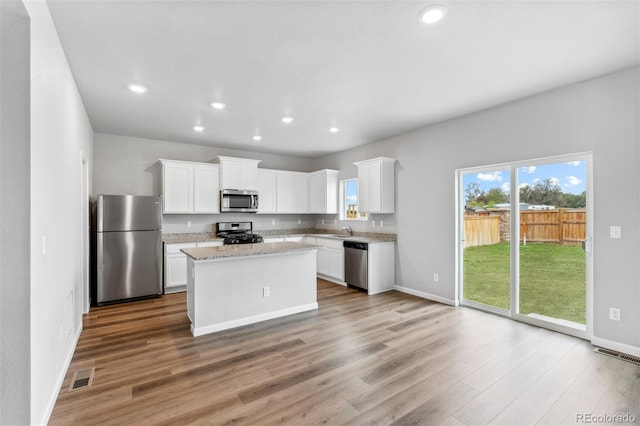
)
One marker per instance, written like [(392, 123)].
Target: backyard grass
[(552, 279)]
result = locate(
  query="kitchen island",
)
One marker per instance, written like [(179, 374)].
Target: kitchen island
[(235, 285)]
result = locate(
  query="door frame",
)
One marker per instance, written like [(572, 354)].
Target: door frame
[(513, 167)]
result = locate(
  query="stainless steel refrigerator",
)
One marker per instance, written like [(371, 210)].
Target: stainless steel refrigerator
[(128, 247)]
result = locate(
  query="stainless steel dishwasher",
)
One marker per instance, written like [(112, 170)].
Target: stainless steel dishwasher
[(356, 264)]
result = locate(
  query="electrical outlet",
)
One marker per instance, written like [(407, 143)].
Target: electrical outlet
[(322, 221), (373, 223), (381, 224), (273, 221), (436, 277), (614, 314), (299, 221), (188, 224), (44, 245), (266, 291), (615, 232)]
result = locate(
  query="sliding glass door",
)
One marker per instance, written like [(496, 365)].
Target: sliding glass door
[(525, 241), (486, 246)]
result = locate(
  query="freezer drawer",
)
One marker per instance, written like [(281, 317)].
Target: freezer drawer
[(129, 265)]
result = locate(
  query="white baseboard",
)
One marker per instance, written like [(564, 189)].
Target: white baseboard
[(333, 280), (615, 346), (425, 295), (199, 331), (61, 376)]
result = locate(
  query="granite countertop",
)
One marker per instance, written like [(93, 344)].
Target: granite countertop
[(192, 237), (365, 237), (240, 250)]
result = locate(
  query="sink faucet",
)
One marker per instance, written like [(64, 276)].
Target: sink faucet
[(348, 229)]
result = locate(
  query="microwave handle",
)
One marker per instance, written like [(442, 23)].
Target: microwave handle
[(255, 202)]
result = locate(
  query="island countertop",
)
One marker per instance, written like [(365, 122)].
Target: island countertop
[(241, 250)]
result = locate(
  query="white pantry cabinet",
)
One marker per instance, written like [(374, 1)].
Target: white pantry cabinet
[(238, 173), (267, 191), (376, 185), (323, 192), (291, 192), (175, 264), (190, 188)]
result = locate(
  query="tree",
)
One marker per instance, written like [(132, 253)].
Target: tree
[(545, 192), (475, 197), (472, 192), (576, 201), (496, 196)]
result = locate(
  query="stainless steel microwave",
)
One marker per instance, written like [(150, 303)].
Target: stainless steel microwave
[(234, 200)]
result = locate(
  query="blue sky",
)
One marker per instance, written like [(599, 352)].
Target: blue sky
[(571, 176), (351, 192)]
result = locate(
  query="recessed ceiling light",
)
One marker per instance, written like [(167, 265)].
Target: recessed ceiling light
[(287, 119), (334, 130), (198, 128), (257, 138), (137, 88), (218, 105), (433, 14)]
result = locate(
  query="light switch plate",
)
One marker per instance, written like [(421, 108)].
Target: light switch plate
[(615, 231)]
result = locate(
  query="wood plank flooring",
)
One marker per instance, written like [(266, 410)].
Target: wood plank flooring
[(386, 359)]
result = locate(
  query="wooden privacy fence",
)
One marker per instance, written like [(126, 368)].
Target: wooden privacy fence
[(481, 230), (562, 226)]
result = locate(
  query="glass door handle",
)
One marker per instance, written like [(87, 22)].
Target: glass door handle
[(586, 246)]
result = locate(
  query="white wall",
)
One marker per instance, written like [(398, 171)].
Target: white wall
[(599, 115), (14, 222), (129, 165), (60, 132)]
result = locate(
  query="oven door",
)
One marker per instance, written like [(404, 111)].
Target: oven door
[(238, 201)]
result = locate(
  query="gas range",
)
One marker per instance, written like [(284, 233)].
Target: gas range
[(237, 233)]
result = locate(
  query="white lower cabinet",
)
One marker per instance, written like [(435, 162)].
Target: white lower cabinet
[(330, 258), (175, 264)]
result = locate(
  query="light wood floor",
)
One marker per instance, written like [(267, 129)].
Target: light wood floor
[(383, 359)]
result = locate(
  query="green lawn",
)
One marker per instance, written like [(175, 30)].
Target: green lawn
[(552, 279)]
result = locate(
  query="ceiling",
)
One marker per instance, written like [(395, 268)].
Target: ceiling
[(370, 68)]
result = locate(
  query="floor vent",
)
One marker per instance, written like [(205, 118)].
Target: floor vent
[(618, 355), (82, 379)]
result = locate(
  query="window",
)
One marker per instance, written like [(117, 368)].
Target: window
[(349, 201)]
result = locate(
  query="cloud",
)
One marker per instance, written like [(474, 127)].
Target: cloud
[(536, 180), (351, 199), (529, 169), (524, 185), (554, 181), (572, 181), (506, 187), (574, 163), (490, 177)]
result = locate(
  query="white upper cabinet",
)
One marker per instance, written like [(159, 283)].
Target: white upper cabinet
[(177, 187), (376, 185), (189, 188), (267, 191), (206, 189), (323, 192), (291, 192), (238, 173)]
